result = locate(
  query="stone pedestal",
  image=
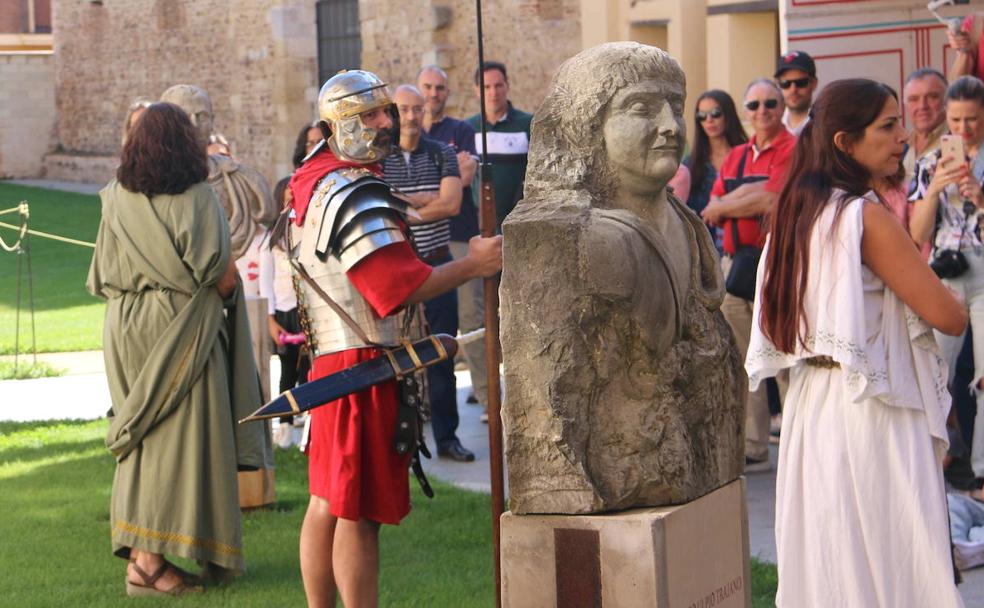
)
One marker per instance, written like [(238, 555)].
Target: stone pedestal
[(256, 488), (693, 555)]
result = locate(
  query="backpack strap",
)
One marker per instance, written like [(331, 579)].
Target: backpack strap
[(436, 154)]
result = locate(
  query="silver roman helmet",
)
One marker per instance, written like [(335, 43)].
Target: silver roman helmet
[(342, 100)]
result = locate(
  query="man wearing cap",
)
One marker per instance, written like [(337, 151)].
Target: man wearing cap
[(796, 75), (353, 255)]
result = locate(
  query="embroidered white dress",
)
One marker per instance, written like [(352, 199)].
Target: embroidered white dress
[(861, 515)]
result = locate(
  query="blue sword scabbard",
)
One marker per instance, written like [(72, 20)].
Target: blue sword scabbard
[(400, 361)]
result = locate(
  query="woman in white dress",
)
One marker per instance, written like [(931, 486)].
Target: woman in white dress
[(847, 305)]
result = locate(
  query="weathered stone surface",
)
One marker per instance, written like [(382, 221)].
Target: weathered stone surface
[(399, 38), (694, 555), (243, 191), (78, 168), (257, 59), (27, 111), (623, 383)]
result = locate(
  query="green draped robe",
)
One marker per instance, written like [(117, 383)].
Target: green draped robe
[(180, 372)]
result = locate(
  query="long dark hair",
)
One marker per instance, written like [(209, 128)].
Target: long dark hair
[(817, 168), (278, 233), (733, 134), (300, 146), (162, 154)]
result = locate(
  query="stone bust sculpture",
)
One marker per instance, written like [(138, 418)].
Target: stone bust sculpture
[(243, 191), (623, 382)]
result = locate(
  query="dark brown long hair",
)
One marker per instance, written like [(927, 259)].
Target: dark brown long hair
[(300, 145), (733, 134), (162, 154), (278, 233), (817, 168)]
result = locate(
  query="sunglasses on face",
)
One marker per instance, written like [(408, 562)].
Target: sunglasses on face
[(770, 104), (801, 83), (715, 113)]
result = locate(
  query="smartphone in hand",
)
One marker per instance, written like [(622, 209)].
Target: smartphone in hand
[(952, 146)]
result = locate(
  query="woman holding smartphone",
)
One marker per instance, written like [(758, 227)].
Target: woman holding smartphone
[(845, 304), (947, 213)]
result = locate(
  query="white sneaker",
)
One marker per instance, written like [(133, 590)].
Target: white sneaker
[(284, 435)]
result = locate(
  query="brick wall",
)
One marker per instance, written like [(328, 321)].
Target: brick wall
[(532, 37), (27, 112), (257, 62)]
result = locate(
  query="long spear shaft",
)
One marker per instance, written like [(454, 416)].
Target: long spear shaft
[(487, 223)]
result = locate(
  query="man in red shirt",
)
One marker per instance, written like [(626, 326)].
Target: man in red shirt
[(352, 244), (746, 189)]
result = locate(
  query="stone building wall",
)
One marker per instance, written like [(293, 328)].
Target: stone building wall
[(532, 37), (27, 111), (257, 60)]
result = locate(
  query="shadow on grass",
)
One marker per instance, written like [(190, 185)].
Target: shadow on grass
[(55, 535), (7, 427), (23, 443), (26, 454)]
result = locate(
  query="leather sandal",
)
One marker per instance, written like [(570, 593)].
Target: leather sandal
[(147, 588)]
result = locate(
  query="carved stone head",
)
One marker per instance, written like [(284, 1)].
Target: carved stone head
[(614, 111), (196, 103)]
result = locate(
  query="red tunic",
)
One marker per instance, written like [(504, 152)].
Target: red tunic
[(352, 463)]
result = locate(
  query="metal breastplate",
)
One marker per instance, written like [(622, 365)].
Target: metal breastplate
[(351, 215)]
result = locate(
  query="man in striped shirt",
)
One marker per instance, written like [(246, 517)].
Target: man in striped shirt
[(426, 171)]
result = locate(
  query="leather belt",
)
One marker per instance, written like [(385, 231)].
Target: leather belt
[(435, 255), (822, 361)]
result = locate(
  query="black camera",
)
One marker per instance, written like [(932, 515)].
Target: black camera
[(949, 264)]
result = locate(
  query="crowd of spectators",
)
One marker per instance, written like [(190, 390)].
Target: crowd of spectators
[(731, 179)]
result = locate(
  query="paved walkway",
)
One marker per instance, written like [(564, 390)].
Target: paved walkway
[(82, 394), (56, 185)]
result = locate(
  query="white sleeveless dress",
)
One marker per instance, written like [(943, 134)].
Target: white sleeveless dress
[(861, 514)]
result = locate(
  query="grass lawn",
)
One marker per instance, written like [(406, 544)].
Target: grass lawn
[(56, 479), (67, 318)]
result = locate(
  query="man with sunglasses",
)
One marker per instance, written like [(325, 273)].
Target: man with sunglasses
[(746, 189), (796, 75)]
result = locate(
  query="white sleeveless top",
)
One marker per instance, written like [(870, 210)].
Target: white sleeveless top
[(888, 353)]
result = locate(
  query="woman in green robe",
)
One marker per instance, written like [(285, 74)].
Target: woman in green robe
[(162, 263)]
